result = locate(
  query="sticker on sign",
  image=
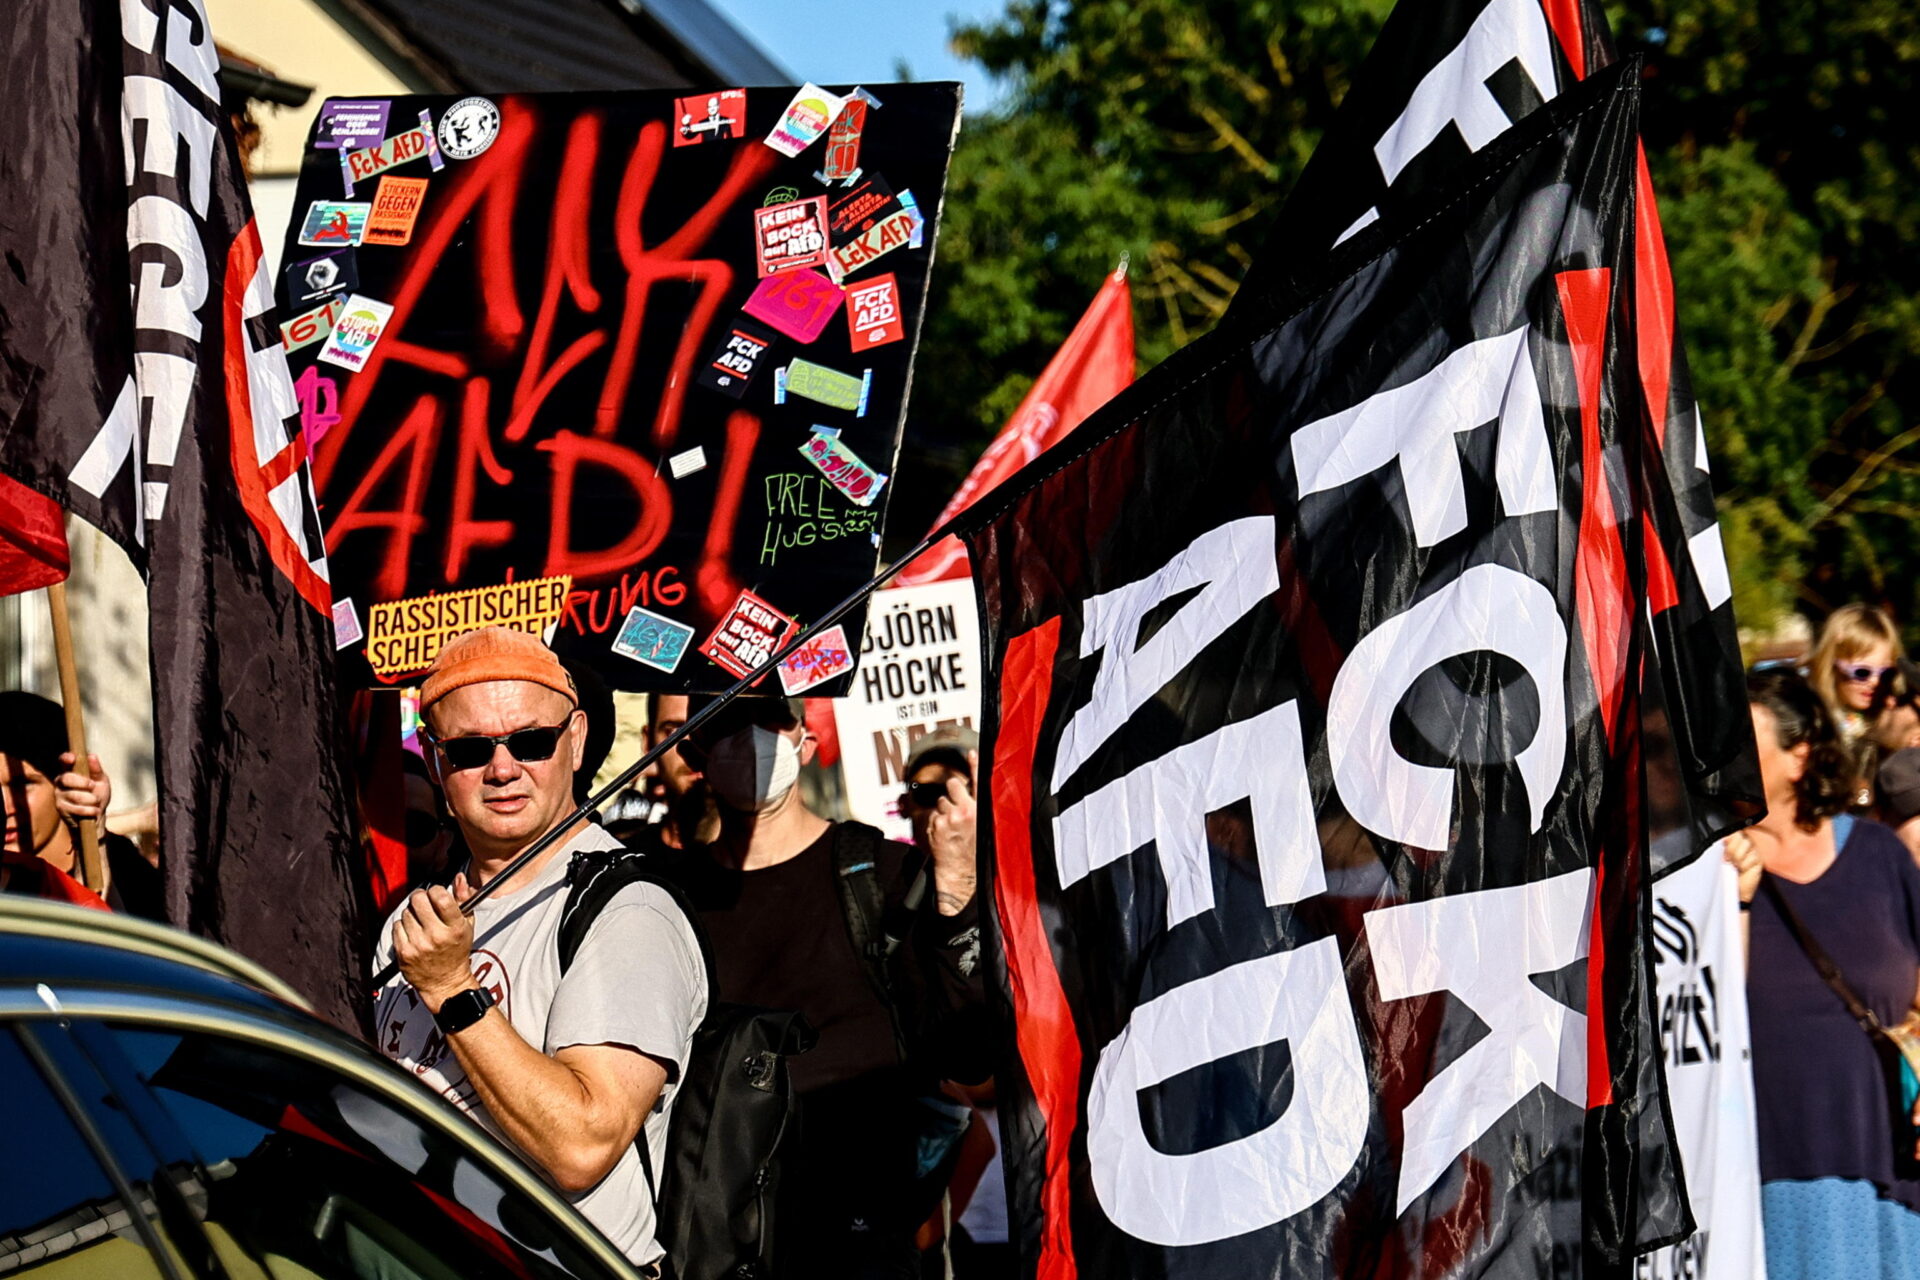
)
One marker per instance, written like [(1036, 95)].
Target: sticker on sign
[(873, 313), (359, 326), (647, 637), (748, 635), (816, 662)]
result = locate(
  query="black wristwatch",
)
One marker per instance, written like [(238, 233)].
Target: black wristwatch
[(461, 1011)]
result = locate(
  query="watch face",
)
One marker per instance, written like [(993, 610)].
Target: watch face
[(463, 1010)]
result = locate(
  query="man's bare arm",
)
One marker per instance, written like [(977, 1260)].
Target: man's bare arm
[(574, 1113)]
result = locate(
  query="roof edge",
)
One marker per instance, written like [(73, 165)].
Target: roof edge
[(711, 38)]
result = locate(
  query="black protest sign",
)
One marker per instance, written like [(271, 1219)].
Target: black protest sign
[(572, 413)]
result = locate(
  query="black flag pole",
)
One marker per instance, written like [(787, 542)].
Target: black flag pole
[(591, 805)]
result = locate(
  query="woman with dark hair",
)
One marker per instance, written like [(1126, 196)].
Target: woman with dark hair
[(1837, 1186)]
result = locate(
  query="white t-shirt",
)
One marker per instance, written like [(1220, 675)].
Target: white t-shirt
[(637, 980)]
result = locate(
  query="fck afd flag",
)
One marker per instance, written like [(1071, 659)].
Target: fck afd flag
[(143, 387), (1444, 79), (1315, 819)]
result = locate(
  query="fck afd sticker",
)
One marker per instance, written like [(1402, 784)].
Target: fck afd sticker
[(734, 362), (816, 662), (402, 148), (873, 313)]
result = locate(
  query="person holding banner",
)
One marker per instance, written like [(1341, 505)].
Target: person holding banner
[(573, 1064), (1834, 956)]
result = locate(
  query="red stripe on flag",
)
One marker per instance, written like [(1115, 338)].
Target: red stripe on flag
[(1653, 300), (1600, 589), (1564, 17), (1663, 591), (1044, 1031)]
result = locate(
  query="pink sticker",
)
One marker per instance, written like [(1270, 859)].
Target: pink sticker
[(817, 661), (797, 303), (319, 404)]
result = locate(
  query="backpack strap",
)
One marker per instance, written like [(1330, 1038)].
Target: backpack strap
[(594, 877), (875, 932)]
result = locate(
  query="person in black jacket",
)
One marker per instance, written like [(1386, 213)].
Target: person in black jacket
[(879, 947)]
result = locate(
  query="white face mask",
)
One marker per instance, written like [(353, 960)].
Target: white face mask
[(753, 770)]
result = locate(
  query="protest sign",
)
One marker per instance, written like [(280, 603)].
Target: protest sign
[(573, 348), (1699, 982), (918, 672)]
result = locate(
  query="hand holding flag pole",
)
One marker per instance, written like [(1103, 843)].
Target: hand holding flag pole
[(93, 866), (589, 807)]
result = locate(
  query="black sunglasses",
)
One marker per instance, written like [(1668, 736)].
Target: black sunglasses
[(525, 745)]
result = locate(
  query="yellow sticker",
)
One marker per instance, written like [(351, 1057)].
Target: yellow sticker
[(405, 636)]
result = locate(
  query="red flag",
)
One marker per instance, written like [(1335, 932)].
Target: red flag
[(33, 539), (1093, 365)]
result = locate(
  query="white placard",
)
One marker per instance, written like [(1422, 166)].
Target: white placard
[(1700, 988), (919, 671)]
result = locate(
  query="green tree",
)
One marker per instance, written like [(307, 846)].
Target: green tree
[(1165, 130), (1169, 129)]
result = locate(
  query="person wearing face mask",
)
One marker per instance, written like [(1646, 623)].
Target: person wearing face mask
[(878, 945)]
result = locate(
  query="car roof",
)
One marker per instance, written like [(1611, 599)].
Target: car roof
[(52, 942), (58, 960)]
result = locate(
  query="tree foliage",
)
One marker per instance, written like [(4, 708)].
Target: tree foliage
[(1790, 188)]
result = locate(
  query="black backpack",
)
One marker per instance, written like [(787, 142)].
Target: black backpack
[(714, 1201)]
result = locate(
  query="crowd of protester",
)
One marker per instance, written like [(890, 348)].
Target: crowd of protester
[(893, 1168), (1831, 890)]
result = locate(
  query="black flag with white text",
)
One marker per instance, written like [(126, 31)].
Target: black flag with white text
[(143, 387), (1315, 811), (1444, 79)]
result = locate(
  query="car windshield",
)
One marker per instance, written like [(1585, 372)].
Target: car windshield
[(311, 1174)]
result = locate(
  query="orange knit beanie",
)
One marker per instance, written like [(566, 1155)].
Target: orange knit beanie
[(494, 653)]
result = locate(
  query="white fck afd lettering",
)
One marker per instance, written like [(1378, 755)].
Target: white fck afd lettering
[(170, 284), (1455, 92), (1484, 947)]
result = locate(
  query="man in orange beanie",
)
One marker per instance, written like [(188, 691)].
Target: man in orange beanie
[(565, 1061)]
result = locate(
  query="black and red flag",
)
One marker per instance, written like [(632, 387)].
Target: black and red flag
[(143, 387), (1444, 79), (1315, 802)]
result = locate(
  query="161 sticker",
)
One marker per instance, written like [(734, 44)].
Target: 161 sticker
[(873, 313), (797, 303)]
